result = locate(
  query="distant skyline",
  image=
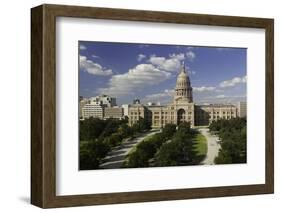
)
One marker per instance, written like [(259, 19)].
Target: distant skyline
[(149, 71)]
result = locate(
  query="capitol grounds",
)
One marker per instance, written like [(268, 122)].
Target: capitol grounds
[(112, 144)]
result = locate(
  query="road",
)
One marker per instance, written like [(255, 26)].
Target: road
[(213, 146), (117, 155)]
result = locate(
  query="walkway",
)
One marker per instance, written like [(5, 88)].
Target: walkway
[(213, 146), (117, 155)]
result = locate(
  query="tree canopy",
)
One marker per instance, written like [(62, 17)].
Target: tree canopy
[(233, 140)]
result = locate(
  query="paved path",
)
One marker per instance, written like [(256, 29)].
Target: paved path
[(213, 146), (117, 155)]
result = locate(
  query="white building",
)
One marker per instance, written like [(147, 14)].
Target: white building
[(82, 103), (125, 109), (95, 110), (104, 100)]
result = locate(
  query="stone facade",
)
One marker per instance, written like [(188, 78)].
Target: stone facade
[(113, 112), (181, 109)]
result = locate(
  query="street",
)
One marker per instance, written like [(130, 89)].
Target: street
[(117, 155)]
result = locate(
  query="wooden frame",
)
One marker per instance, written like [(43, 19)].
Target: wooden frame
[(43, 105)]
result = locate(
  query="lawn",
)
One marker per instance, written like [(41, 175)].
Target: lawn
[(199, 147)]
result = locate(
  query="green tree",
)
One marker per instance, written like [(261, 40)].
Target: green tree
[(91, 154), (169, 155), (91, 128), (169, 130), (125, 130), (233, 135), (184, 127), (178, 151)]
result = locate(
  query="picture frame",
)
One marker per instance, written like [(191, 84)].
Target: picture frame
[(43, 105)]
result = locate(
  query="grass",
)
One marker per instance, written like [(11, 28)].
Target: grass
[(200, 144), (199, 148)]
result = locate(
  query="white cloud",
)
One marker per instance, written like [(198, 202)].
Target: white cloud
[(162, 97), (155, 71), (204, 89), (136, 79), (190, 55), (171, 64), (141, 57), (93, 68), (95, 56), (82, 47), (220, 96), (179, 56), (233, 82)]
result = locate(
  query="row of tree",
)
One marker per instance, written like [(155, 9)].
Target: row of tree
[(147, 148), (98, 137), (177, 151), (233, 140), (172, 147)]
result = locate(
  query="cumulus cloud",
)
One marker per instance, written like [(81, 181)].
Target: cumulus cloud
[(190, 55), (162, 97), (82, 47), (179, 56), (95, 56), (165, 93), (156, 70), (233, 82), (141, 57), (136, 79), (204, 89), (220, 96), (93, 68), (171, 64)]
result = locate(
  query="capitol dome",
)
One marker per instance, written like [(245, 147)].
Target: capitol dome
[(183, 88), (182, 80)]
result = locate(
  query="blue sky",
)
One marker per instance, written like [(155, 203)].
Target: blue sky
[(149, 71)]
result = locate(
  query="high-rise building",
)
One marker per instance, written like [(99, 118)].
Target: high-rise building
[(242, 109), (94, 106), (94, 110)]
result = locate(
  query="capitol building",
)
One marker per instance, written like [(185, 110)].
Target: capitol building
[(182, 108)]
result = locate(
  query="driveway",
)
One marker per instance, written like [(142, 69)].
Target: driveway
[(213, 146), (117, 155)]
